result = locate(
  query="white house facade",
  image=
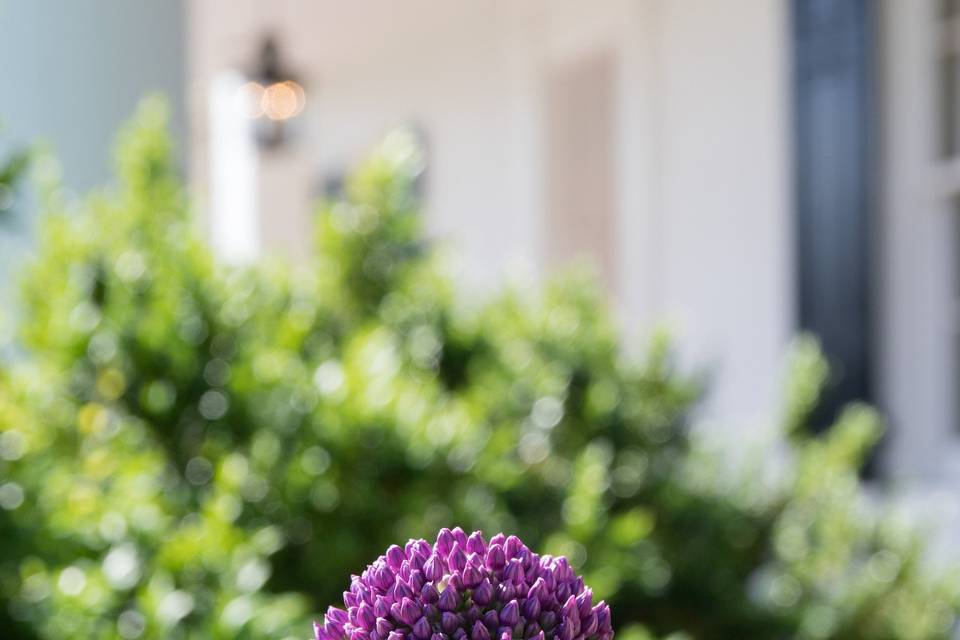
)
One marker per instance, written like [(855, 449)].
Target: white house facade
[(649, 136), (737, 170)]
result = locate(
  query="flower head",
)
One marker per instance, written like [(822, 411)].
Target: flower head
[(465, 588)]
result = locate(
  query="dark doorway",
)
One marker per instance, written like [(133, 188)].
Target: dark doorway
[(833, 42)]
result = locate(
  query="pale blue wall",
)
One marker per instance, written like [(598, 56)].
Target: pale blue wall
[(70, 72)]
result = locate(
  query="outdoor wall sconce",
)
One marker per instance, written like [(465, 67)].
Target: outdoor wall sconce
[(273, 97)]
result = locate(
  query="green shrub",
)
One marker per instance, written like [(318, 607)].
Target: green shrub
[(12, 168), (189, 450)]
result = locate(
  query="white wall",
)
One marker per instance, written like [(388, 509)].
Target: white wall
[(467, 83), (724, 231), (72, 73), (918, 333), (704, 200), (703, 233)]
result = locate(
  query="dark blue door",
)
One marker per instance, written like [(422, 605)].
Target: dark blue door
[(832, 162)]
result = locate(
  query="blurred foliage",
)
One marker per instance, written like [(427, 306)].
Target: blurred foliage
[(12, 169), (189, 450)]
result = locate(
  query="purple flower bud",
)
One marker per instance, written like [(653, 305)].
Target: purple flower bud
[(395, 612), (496, 558), (538, 589), (530, 608), (491, 619), (359, 634), (384, 627), (564, 632), (445, 542), (472, 614), (506, 591), (471, 577), (514, 572), (564, 571), (460, 536), (350, 599), (499, 538), (483, 594), (367, 595), (578, 586), (570, 613), (335, 628), (383, 578), (603, 617), (433, 568), (438, 636), (449, 601), (588, 626), (416, 562), (585, 603), (550, 582), (381, 607), (422, 549), (395, 557), (449, 622), (476, 543), (431, 611), (333, 613), (395, 635), (366, 617), (522, 590), (506, 634), (421, 629), (460, 634), (510, 614), (548, 620), (455, 581), (512, 546), (457, 559), (402, 590), (429, 594), (529, 560), (409, 611), (531, 630), (479, 632), (416, 580)]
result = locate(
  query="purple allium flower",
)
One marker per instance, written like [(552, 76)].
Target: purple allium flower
[(464, 588)]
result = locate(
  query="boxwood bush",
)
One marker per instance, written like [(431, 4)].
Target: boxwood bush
[(192, 450)]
